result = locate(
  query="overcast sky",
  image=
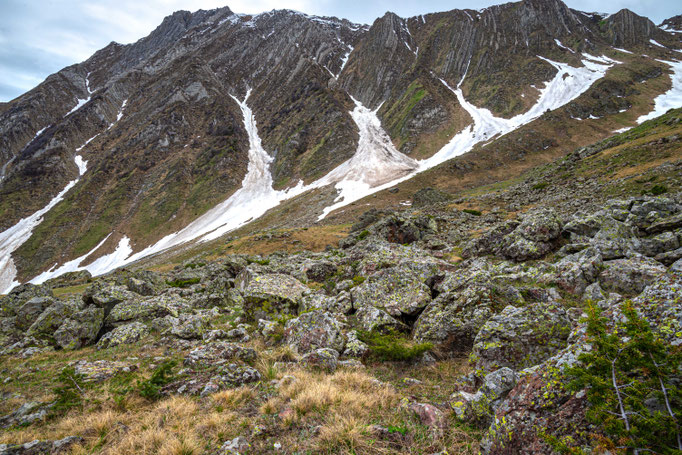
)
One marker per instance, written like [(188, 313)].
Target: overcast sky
[(39, 37)]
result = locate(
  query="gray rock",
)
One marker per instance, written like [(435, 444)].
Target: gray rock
[(189, 326), (211, 354), (396, 290), (125, 334), (27, 313), (479, 408), (49, 321), (269, 294), (519, 338), (80, 329), (237, 446), (630, 276), (314, 330), (324, 359), (373, 319)]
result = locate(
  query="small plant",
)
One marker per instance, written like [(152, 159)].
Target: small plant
[(358, 280), (397, 429), (393, 346), (657, 190), (183, 283), (162, 375), (69, 392), (472, 212), (363, 235), (540, 186)]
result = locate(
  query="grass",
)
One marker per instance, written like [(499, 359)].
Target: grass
[(393, 346)]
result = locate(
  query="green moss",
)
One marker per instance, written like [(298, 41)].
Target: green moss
[(472, 212)]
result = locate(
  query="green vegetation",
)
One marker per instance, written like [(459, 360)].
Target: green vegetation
[(657, 190), (69, 391), (393, 346), (472, 212), (183, 283), (631, 377), (540, 186), (162, 375), (363, 235)]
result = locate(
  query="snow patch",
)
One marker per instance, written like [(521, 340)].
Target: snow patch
[(670, 99), (81, 102), (558, 43), (622, 50), (656, 43)]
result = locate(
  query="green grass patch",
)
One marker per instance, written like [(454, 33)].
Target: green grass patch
[(393, 346)]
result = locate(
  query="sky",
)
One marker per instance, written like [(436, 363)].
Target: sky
[(40, 37)]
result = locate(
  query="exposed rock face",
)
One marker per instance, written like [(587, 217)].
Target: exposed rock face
[(314, 330)]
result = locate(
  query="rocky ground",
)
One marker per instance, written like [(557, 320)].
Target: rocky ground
[(445, 328)]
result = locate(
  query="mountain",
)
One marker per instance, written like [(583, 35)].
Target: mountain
[(215, 118)]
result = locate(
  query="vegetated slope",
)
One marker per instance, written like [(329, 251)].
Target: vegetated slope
[(453, 325), (166, 142)]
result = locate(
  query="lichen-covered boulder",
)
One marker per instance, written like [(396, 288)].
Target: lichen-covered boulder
[(630, 276), (267, 294), (80, 329), (20, 295), (479, 408), (141, 287), (453, 319), (534, 237), (404, 229), (133, 310), (396, 290), (190, 326), (100, 370), (106, 295), (325, 359), (341, 303), (210, 354), (577, 271), (320, 270), (519, 338), (354, 347), (373, 319), (27, 313), (314, 330), (125, 334), (49, 320)]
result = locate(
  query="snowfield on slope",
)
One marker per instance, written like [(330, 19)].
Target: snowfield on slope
[(375, 166), (670, 99), (14, 237)]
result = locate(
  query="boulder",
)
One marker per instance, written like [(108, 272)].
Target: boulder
[(323, 359), (577, 271), (314, 330), (630, 276), (237, 446), (125, 334), (50, 320), (211, 354), (106, 295), (453, 319), (269, 293), (20, 295), (319, 271), (190, 326), (27, 313), (519, 338), (479, 408), (534, 237), (396, 290), (80, 329), (100, 370), (373, 319)]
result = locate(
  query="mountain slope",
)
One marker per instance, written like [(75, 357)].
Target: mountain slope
[(160, 123)]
